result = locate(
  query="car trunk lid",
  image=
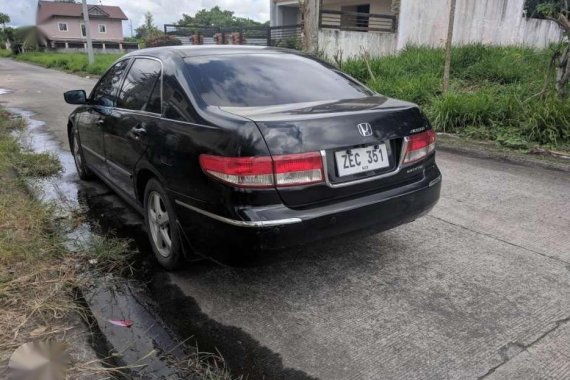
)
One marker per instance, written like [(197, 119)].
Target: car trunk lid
[(334, 128)]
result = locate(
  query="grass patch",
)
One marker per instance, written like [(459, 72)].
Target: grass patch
[(5, 53), (492, 92), (34, 278), (109, 255), (71, 62), (37, 164), (37, 273)]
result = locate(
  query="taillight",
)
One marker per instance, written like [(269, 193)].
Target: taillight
[(298, 169), (420, 146), (258, 172), (239, 171)]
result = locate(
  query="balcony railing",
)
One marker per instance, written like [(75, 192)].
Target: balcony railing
[(358, 22)]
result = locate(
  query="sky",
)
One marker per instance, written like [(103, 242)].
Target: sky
[(23, 12)]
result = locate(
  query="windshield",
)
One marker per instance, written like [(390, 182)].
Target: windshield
[(256, 80)]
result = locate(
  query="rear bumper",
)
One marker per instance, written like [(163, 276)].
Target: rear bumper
[(279, 227)]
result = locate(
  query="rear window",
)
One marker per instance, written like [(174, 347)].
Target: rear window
[(256, 80)]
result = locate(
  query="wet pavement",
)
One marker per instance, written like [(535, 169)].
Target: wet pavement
[(480, 288)]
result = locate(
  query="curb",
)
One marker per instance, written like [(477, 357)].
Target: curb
[(489, 150)]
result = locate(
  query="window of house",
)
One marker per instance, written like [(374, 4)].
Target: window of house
[(83, 31), (102, 28), (141, 88), (105, 92), (355, 16), (62, 26)]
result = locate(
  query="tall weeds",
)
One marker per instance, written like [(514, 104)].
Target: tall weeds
[(493, 92)]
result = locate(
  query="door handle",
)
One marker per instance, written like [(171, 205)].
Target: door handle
[(138, 132), (100, 122)]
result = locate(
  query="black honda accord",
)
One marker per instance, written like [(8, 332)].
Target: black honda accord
[(228, 150)]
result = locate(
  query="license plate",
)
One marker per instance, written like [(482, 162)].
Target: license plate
[(360, 160)]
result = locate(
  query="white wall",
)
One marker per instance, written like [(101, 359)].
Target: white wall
[(353, 44), (498, 22)]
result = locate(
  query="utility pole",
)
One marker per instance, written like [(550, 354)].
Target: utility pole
[(448, 45), (88, 33)]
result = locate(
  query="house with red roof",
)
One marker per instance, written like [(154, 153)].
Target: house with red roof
[(62, 26)]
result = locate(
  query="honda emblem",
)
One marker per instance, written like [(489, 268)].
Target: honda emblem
[(365, 129)]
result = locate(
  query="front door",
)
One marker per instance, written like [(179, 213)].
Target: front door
[(99, 114), (138, 111)]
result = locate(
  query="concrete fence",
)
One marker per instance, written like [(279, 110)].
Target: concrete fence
[(493, 22)]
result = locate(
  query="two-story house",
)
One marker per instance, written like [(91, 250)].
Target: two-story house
[(350, 28), (62, 26)]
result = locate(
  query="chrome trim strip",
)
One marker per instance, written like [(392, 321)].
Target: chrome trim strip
[(124, 171), (136, 112), (241, 223), (435, 181), (385, 175), (93, 152)]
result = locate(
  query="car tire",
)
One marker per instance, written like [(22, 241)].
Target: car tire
[(77, 152), (160, 220)]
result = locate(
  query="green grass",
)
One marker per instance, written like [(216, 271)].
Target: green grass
[(492, 93), (5, 53), (71, 62)]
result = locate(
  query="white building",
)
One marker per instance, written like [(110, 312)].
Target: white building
[(347, 28)]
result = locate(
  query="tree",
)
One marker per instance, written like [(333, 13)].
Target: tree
[(217, 17), (448, 46), (4, 19), (559, 12), (531, 7), (148, 29)]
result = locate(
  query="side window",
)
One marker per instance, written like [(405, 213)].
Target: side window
[(105, 93), (177, 106), (154, 102), (142, 81)]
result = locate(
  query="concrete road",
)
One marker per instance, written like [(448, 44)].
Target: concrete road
[(480, 288)]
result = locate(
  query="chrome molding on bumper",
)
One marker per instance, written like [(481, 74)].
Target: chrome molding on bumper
[(241, 223), (435, 181)]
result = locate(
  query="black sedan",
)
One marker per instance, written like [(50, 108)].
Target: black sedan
[(228, 151)]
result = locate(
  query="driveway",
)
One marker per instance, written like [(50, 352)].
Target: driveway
[(480, 288)]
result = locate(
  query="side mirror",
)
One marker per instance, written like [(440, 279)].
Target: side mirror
[(75, 97)]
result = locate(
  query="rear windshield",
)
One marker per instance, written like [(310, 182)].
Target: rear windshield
[(256, 80)]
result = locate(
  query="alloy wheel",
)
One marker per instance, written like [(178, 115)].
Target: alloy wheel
[(159, 224)]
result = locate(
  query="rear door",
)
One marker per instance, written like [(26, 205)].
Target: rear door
[(99, 113), (138, 109)]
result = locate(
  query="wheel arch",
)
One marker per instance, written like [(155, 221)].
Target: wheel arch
[(69, 128), (144, 174)]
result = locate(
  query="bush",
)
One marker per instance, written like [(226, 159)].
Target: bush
[(164, 40), (492, 92)]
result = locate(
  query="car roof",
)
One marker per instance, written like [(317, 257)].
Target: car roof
[(185, 51)]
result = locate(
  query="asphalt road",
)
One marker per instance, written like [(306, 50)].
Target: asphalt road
[(480, 288)]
